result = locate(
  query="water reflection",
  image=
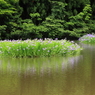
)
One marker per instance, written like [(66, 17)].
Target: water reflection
[(49, 76), (38, 65)]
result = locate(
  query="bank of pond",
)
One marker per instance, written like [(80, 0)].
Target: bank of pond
[(42, 48)]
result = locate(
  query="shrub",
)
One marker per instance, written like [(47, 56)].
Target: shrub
[(27, 30)]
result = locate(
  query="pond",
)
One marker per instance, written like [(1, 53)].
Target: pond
[(74, 75)]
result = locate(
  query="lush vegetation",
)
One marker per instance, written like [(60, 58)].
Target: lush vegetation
[(89, 38), (38, 48), (22, 19)]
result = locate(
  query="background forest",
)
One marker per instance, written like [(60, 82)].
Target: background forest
[(29, 19)]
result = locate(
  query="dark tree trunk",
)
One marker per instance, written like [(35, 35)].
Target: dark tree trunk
[(24, 14)]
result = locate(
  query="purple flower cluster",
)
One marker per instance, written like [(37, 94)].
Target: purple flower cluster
[(89, 38), (47, 47), (90, 35)]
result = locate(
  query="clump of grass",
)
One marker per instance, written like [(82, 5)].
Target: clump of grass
[(89, 38), (38, 48)]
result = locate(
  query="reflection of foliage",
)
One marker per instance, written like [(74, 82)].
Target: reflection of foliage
[(37, 64), (47, 71)]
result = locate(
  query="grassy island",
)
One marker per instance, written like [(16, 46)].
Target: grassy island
[(38, 48), (89, 38)]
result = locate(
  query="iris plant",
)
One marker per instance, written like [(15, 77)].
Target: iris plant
[(38, 48), (89, 38)]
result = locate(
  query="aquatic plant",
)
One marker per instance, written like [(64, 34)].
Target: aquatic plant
[(89, 38), (38, 48)]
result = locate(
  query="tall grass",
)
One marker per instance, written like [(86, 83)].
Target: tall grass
[(89, 38), (38, 48)]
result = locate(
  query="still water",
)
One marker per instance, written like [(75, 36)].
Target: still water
[(74, 75)]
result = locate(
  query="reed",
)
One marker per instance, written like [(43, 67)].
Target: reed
[(89, 38), (38, 48)]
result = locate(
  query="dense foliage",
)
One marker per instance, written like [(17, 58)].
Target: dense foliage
[(29, 19)]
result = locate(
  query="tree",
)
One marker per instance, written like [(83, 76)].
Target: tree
[(43, 7), (6, 11)]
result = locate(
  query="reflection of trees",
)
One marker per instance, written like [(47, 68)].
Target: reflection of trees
[(38, 65), (71, 62), (9, 84)]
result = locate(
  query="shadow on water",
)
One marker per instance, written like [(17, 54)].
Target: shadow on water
[(49, 76)]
